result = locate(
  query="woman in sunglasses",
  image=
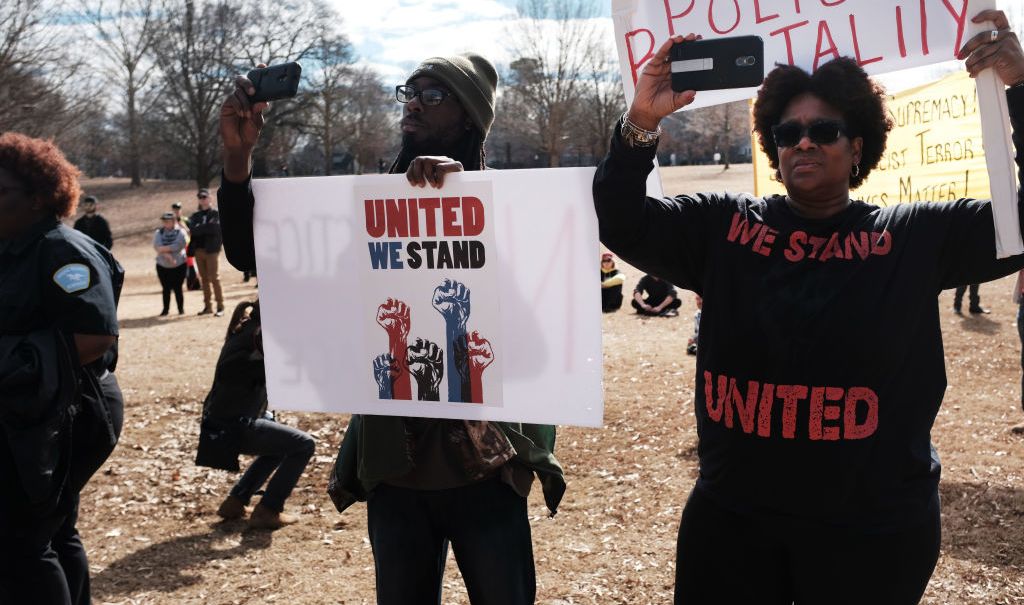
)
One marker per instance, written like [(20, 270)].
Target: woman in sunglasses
[(820, 365)]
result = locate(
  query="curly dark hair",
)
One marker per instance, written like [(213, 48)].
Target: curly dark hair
[(43, 169), (842, 84)]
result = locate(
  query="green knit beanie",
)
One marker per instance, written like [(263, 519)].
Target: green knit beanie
[(471, 78)]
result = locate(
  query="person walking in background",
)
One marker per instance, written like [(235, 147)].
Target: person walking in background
[(169, 241), (655, 296), (204, 225), (236, 421), (61, 408), (611, 284), (93, 224), (974, 299)]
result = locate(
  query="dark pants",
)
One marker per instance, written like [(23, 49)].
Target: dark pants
[(171, 280), (974, 299), (487, 526), (611, 298), (724, 558), (277, 447), (42, 560), (1020, 332), (675, 304)]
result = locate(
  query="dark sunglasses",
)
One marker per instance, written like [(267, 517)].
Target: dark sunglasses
[(820, 132), (428, 96)]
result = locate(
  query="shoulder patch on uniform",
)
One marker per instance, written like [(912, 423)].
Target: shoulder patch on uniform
[(73, 277)]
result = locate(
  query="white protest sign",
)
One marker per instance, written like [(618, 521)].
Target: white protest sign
[(882, 37), (475, 301)]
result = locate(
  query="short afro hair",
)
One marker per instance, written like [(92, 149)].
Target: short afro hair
[(842, 84), (43, 169)]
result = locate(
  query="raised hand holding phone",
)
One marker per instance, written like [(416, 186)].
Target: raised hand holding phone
[(654, 98), (735, 62), (274, 82), (241, 121)]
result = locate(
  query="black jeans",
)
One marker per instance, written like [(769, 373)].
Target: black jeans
[(974, 298), (675, 304), (487, 526), (277, 447), (42, 560), (171, 280), (725, 558), (611, 298)]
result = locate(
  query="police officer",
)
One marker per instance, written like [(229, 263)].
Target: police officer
[(60, 406)]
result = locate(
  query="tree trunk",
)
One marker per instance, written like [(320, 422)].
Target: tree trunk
[(134, 159)]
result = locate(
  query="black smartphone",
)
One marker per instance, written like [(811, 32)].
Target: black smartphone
[(275, 82), (736, 62)]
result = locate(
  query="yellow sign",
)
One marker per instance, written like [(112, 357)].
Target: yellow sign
[(934, 152)]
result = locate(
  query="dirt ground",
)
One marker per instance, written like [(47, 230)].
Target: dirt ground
[(148, 520)]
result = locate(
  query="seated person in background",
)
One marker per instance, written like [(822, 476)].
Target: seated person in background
[(236, 421), (611, 284), (660, 299)]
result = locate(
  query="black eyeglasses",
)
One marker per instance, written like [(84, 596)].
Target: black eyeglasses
[(428, 96), (821, 132)]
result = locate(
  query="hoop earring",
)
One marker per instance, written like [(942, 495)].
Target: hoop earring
[(855, 172)]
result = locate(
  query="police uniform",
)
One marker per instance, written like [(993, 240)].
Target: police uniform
[(53, 280)]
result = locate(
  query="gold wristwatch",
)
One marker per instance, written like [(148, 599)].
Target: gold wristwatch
[(637, 137)]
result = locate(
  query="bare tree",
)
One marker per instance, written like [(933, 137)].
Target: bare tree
[(35, 62), (509, 144), (276, 32), (368, 119), (325, 92), (124, 33), (720, 128), (551, 41), (196, 45), (601, 100)]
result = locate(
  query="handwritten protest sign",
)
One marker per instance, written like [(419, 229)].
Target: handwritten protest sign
[(882, 36), (934, 152), (474, 301)]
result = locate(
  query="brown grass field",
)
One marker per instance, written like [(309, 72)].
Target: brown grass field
[(148, 520)]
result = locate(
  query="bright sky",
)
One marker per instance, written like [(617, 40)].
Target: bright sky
[(393, 36)]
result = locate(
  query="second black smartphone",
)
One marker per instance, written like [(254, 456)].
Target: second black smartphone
[(275, 82), (736, 62)]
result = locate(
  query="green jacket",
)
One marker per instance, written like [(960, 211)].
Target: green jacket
[(375, 449)]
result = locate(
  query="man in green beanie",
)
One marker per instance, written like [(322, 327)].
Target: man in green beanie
[(427, 482), (449, 109)]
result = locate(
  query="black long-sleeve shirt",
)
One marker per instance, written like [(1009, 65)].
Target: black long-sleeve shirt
[(96, 227), (204, 228), (820, 365), (235, 202)]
